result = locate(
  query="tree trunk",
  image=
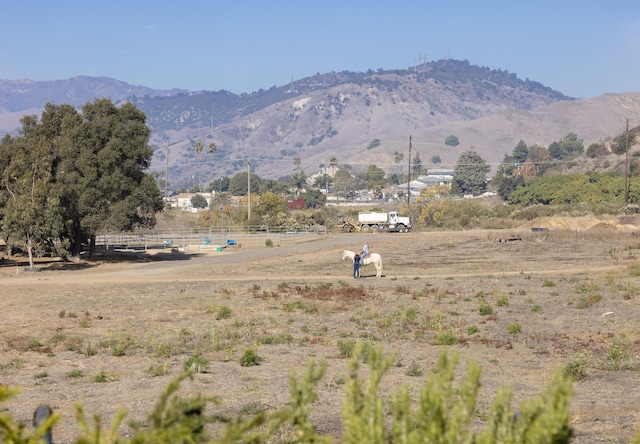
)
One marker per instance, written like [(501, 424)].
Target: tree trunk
[(76, 245), (92, 245), (30, 251)]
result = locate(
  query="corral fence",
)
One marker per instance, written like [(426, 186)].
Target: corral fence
[(213, 238)]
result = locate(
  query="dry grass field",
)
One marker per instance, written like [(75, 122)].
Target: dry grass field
[(112, 333)]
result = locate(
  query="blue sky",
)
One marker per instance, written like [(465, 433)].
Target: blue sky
[(582, 48)]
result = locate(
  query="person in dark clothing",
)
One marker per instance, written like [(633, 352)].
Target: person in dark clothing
[(356, 265)]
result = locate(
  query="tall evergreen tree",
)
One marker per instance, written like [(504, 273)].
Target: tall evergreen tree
[(520, 152), (470, 174), (118, 195), (31, 214)]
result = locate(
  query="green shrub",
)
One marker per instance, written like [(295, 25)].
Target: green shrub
[(446, 410), (485, 309), (283, 338), (101, 377), (159, 370), (250, 358), (446, 338), (618, 353), (515, 328), (75, 373), (557, 190), (414, 370), (196, 363), (577, 370), (410, 315), (223, 313), (346, 348), (588, 301)]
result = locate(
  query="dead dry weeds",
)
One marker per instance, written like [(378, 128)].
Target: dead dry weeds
[(113, 334)]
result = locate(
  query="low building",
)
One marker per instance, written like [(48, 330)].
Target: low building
[(182, 201)]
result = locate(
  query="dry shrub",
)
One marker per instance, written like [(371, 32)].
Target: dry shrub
[(344, 294), (267, 294), (27, 343)]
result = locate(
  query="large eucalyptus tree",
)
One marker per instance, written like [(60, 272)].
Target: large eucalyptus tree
[(88, 174)]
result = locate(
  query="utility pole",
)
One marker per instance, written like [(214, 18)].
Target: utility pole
[(626, 167), (409, 176), (166, 176), (221, 205), (248, 190)]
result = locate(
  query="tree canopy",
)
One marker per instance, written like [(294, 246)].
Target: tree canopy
[(452, 140), (314, 198), (568, 146), (470, 174), (520, 152), (344, 182), (572, 189), (239, 182), (71, 175), (374, 176), (199, 201)]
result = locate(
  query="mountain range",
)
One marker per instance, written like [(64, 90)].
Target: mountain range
[(358, 118)]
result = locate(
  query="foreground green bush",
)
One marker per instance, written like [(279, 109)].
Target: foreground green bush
[(442, 413)]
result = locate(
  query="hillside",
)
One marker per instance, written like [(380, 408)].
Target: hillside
[(594, 120), (20, 95), (340, 114), (334, 114)]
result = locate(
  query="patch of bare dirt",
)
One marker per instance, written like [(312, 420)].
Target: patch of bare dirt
[(133, 324), (582, 223)]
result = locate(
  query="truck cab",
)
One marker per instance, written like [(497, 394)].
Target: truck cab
[(399, 223)]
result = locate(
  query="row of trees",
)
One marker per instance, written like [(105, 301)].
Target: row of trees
[(71, 175), (518, 168), (528, 162), (471, 174), (525, 179)]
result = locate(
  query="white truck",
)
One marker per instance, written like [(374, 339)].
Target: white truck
[(379, 222)]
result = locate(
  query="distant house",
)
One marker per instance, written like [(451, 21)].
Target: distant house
[(445, 176), (440, 177), (182, 201), (330, 171)]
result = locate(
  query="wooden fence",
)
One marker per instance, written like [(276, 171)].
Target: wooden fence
[(213, 238)]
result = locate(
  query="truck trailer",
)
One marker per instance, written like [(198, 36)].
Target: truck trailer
[(390, 221)]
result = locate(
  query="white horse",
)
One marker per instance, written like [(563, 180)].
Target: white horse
[(373, 258)]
